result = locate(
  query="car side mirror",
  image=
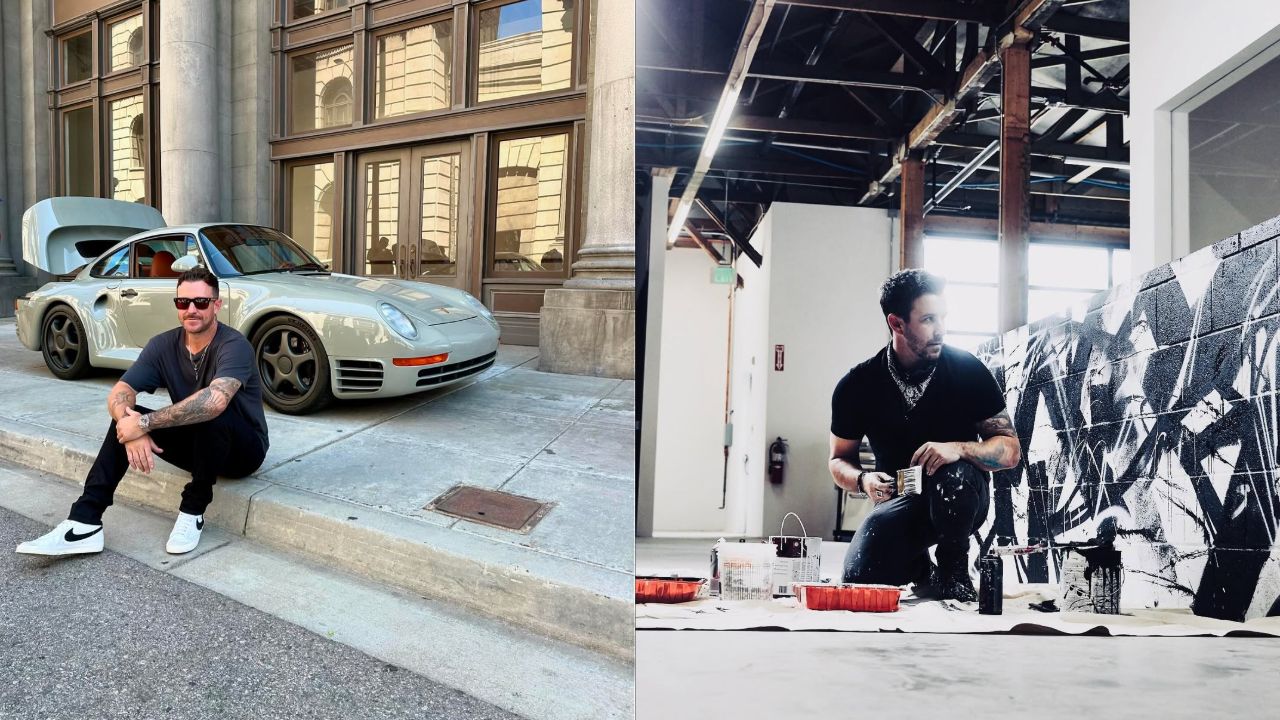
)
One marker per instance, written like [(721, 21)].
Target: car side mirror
[(185, 263)]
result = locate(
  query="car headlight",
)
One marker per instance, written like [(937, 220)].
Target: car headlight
[(472, 302), (398, 321)]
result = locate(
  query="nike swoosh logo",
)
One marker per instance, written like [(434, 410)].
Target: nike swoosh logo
[(71, 535), (200, 523)]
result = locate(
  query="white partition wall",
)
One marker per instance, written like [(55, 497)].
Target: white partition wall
[(688, 474), (828, 265)]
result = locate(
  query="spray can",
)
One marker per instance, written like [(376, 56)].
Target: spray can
[(991, 585), (713, 584)]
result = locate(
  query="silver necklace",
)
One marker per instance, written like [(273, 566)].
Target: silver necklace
[(911, 394), (197, 359)]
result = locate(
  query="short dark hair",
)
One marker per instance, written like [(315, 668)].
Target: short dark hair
[(900, 291), (200, 273)]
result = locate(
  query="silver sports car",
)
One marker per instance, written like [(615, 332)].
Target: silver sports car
[(317, 334)]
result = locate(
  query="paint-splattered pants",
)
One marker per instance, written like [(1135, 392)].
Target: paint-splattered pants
[(891, 547)]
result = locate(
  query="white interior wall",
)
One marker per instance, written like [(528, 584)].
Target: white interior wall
[(688, 474), (749, 400), (827, 267), (1178, 49)]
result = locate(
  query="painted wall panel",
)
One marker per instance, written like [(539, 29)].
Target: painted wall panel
[(1149, 416)]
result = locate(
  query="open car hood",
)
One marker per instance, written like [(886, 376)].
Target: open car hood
[(62, 233)]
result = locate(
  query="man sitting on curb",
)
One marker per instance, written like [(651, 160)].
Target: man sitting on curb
[(215, 426)]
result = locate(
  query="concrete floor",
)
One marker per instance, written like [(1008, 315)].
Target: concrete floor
[(777, 674), (747, 675)]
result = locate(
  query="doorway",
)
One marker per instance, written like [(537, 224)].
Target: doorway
[(413, 219)]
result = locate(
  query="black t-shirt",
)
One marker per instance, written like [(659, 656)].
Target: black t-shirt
[(165, 363), (867, 402)]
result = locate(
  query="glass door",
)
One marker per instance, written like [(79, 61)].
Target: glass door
[(415, 216)]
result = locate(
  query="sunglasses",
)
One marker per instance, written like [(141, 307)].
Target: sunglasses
[(201, 303)]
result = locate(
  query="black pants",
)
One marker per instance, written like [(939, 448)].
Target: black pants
[(891, 547), (226, 445)]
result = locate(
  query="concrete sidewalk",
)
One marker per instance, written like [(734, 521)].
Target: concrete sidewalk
[(347, 487)]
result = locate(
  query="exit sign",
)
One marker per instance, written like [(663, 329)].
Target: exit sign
[(722, 275)]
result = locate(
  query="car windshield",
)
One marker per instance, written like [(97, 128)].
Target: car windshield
[(249, 250)]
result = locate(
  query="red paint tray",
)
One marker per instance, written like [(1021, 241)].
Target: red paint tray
[(848, 596)]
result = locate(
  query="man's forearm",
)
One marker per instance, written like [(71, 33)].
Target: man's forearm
[(995, 453), (122, 398), (847, 474), (201, 407)]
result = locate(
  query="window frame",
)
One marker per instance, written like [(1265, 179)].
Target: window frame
[(336, 252), (145, 57), (63, 39), (104, 152), (290, 18), (576, 73), (440, 15), (568, 182), (357, 79)]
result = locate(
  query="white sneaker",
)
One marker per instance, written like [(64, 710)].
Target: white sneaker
[(185, 535), (68, 538)]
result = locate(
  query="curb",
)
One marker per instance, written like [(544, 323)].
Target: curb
[(593, 609)]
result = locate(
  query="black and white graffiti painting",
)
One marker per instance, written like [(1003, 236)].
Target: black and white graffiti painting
[(1149, 418)]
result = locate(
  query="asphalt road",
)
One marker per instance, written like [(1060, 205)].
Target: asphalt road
[(103, 636)]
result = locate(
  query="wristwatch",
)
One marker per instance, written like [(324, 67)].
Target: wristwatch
[(144, 423)]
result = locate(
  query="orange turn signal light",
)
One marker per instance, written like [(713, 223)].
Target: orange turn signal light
[(414, 362)]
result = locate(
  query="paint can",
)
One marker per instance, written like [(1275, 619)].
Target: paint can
[(991, 585), (1104, 576)]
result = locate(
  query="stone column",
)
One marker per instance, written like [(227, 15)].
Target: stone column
[(588, 326), (24, 138), (189, 112)]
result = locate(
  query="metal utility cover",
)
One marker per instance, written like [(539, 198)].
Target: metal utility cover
[(491, 507)]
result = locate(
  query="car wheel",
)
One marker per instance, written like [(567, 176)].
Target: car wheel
[(64, 345), (293, 366)]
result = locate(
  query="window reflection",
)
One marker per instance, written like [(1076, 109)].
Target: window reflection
[(413, 71), (321, 89), (78, 150), (311, 208), (126, 150), (77, 58), (124, 49), (438, 254), (307, 8), (383, 249), (525, 47), (529, 227)]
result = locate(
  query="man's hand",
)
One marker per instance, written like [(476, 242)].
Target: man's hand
[(933, 455), (878, 486), (127, 427), (140, 453)]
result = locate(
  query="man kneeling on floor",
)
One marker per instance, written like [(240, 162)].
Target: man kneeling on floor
[(215, 425), (923, 403)]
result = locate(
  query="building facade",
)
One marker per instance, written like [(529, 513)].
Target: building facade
[(443, 141)]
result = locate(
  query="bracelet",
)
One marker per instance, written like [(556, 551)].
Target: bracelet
[(860, 492)]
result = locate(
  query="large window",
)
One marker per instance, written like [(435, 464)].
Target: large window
[(1231, 143), (321, 89), (1058, 276), (524, 47), (530, 197), (413, 71), (104, 144), (312, 201)]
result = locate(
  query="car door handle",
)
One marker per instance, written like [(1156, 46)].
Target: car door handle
[(128, 292)]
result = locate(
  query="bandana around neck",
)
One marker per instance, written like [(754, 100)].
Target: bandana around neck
[(913, 385)]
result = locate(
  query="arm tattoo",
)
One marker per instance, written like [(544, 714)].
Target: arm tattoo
[(205, 405), (996, 455), (998, 425), (122, 396)]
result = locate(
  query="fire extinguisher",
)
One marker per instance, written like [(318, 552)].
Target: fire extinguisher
[(777, 460)]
